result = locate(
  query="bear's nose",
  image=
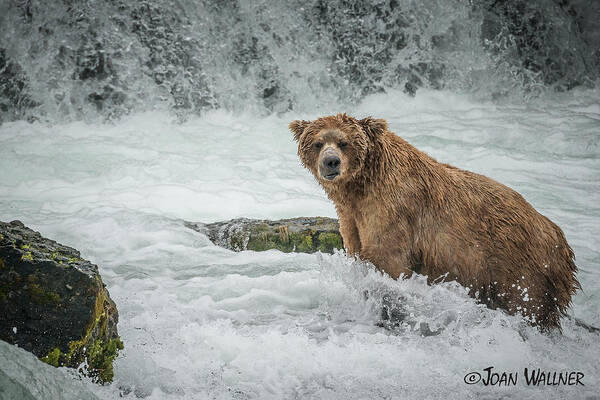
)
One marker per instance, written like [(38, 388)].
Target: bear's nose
[(332, 162)]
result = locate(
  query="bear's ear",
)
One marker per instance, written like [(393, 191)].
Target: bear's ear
[(373, 127), (297, 127)]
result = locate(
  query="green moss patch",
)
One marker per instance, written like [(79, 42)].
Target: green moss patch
[(52, 357), (100, 357), (282, 239), (303, 242), (329, 241)]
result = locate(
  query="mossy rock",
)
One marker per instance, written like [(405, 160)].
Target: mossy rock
[(303, 234), (54, 304)]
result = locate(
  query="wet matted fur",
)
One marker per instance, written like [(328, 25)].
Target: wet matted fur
[(405, 212)]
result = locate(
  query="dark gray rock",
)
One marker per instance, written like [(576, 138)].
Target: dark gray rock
[(54, 304)]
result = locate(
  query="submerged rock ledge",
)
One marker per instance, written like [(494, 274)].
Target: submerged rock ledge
[(302, 234), (54, 304)]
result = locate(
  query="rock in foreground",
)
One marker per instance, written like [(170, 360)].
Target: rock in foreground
[(303, 234), (54, 304)]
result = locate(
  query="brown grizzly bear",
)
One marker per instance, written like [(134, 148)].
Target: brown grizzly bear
[(402, 210)]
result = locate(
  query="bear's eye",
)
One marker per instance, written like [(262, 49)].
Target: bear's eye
[(342, 145), (318, 145)]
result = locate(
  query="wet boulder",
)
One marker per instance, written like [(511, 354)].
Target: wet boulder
[(54, 304), (303, 234)]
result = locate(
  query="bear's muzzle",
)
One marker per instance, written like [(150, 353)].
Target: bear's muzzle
[(329, 167)]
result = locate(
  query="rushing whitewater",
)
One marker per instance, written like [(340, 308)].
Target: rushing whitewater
[(199, 321)]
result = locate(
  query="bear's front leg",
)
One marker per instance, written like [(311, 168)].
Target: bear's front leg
[(391, 259), (349, 233)]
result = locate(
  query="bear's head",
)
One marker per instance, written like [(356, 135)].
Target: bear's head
[(336, 148)]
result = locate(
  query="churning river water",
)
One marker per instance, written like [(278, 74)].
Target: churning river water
[(199, 321)]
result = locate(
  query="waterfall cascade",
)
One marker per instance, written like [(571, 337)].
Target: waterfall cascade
[(89, 59)]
